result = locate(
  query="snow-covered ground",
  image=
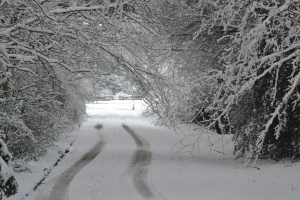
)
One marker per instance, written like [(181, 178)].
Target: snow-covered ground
[(139, 160)]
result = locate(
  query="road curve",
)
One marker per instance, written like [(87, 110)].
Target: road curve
[(138, 168), (60, 187)]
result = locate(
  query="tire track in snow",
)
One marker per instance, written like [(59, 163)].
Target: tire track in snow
[(61, 186), (139, 165)]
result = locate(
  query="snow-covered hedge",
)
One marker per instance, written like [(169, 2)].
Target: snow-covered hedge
[(8, 184)]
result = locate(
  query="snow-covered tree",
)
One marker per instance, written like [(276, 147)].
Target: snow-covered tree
[(46, 49), (235, 63), (263, 63)]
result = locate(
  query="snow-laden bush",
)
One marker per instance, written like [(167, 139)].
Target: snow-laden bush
[(8, 184)]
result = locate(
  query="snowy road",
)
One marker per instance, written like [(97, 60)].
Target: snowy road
[(120, 155), (139, 165), (134, 179), (60, 188)]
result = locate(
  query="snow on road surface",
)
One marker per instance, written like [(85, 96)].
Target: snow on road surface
[(139, 165), (60, 188), (130, 158)]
